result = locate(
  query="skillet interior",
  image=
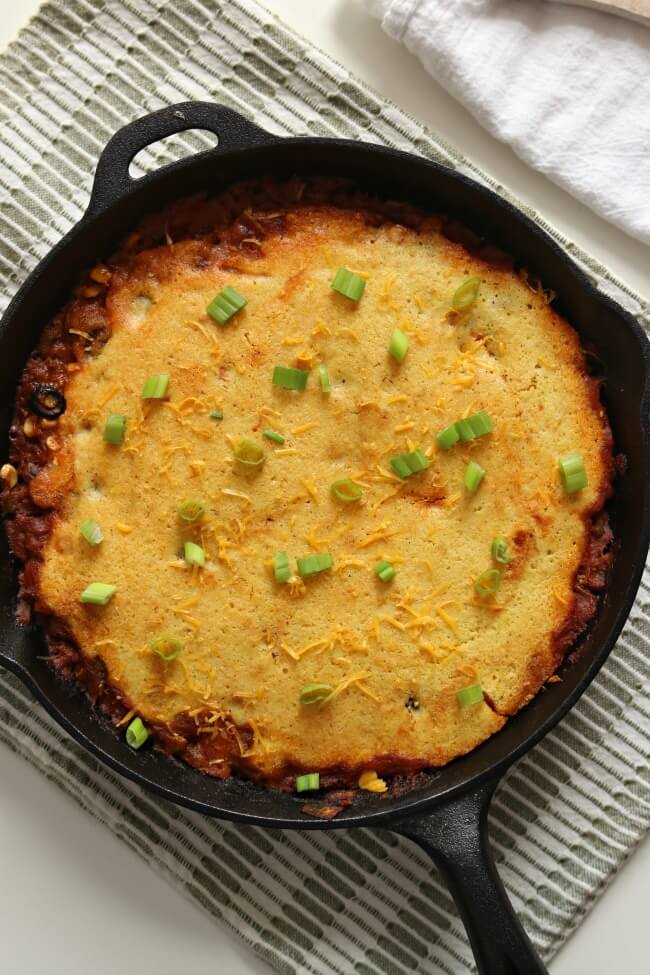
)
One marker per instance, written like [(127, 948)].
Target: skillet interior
[(614, 336)]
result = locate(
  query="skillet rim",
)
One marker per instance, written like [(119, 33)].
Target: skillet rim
[(412, 804)]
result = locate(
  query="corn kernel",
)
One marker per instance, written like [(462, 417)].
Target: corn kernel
[(9, 474), (371, 782), (29, 427)]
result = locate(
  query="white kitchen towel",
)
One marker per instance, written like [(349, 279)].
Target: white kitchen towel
[(568, 89)]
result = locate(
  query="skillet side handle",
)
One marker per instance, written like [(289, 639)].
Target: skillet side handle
[(456, 838), (112, 180)]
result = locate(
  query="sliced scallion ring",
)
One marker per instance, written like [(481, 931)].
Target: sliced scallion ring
[(286, 377), (448, 437), (91, 531), (315, 693), (469, 695), (308, 783), (406, 464), (346, 490), (500, 550), (191, 511), (384, 570), (166, 647), (465, 430), (488, 583), (226, 304), (399, 343), (249, 453), (193, 554), (115, 429), (465, 296), (136, 734), (155, 387), (474, 474), (348, 284), (480, 423), (98, 594), (574, 475), (324, 376), (281, 568), (309, 565)]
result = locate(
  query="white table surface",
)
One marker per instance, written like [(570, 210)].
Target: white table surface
[(69, 885)]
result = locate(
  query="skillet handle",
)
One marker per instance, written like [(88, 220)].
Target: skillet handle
[(112, 179), (456, 837)]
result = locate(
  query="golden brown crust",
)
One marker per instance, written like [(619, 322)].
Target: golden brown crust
[(232, 234)]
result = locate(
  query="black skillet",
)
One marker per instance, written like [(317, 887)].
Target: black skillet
[(448, 816)]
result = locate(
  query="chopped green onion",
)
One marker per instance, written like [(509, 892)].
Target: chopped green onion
[(249, 453), (348, 284), (226, 304), (307, 783), (488, 583), (311, 564), (500, 550), (315, 693), (448, 437), (406, 464), (273, 435), (346, 490), (465, 296), (281, 567), (384, 570), (191, 510), (325, 385), (115, 429), (288, 378), (98, 594), (216, 415), (399, 344), (574, 475), (474, 474), (91, 531), (469, 695), (155, 387), (465, 430), (194, 554), (480, 423), (136, 734), (417, 461), (166, 647), (400, 466)]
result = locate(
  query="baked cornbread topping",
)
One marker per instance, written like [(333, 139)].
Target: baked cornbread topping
[(308, 491)]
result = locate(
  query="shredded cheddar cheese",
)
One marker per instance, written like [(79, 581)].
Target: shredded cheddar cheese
[(371, 782)]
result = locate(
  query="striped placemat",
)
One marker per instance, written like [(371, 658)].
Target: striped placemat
[(569, 814)]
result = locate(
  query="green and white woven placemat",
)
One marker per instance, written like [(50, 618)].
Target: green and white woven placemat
[(567, 815)]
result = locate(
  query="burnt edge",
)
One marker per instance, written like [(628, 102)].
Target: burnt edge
[(236, 221)]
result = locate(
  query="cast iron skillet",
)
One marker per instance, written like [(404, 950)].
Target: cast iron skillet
[(447, 817)]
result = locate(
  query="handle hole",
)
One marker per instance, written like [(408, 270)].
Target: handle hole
[(171, 149)]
